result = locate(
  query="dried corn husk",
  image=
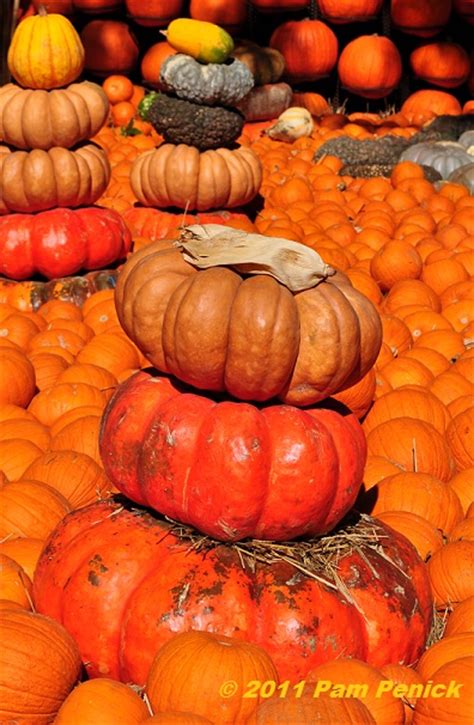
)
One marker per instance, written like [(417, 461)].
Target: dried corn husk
[(213, 245)]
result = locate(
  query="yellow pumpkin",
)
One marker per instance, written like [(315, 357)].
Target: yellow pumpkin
[(45, 52), (206, 42)]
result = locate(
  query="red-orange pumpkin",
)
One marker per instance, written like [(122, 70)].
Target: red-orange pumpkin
[(349, 12), (171, 450), (124, 570)]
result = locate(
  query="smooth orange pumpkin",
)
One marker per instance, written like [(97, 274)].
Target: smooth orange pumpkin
[(103, 701), (451, 572)]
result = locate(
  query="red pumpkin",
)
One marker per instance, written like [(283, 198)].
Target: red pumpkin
[(424, 18), (279, 6), (370, 66), (60, 242), (287, 472), (128, 573), (309, 48)]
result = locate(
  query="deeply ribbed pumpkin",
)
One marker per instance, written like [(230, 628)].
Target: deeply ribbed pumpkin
[(40, 661), (69, 116), (59, 242), (45, 52), (255, 338), (288, 472), (119, 567), (183, 177), (370, 66)]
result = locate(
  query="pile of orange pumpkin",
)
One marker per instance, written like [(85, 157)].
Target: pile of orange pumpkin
[(404, 243)]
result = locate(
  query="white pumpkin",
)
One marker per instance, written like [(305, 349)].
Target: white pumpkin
[(293, 123), (444, 156)]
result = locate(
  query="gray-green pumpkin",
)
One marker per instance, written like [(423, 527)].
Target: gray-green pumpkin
[(212, 84), (205, 127)]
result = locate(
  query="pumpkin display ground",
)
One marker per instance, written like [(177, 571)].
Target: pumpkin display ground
[(236, 362)]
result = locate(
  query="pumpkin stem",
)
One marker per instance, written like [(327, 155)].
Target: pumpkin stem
[(415, 456), (42, 11)]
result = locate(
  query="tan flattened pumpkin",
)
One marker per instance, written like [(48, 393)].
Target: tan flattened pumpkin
[(183, 177), (249, 336), (38, 180), (69, 115)]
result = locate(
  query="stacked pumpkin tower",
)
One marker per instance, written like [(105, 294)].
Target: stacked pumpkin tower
[(240, 443), (199, 167), (47, 168)]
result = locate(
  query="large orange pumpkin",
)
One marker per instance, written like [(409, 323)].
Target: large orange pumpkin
[(309, 48), (297, 707), (41, 661), (370, 66), (461, 619), (460, 437), (17, 377)]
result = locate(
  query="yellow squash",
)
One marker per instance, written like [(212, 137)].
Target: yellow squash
[(45, 52), (206, 42)]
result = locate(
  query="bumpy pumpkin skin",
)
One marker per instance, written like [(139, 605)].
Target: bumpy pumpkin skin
[(60, 242), (211, 84), (128, 573), (39, 180), (181, 176), (254, 338), (68, 116), (171, 450)]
